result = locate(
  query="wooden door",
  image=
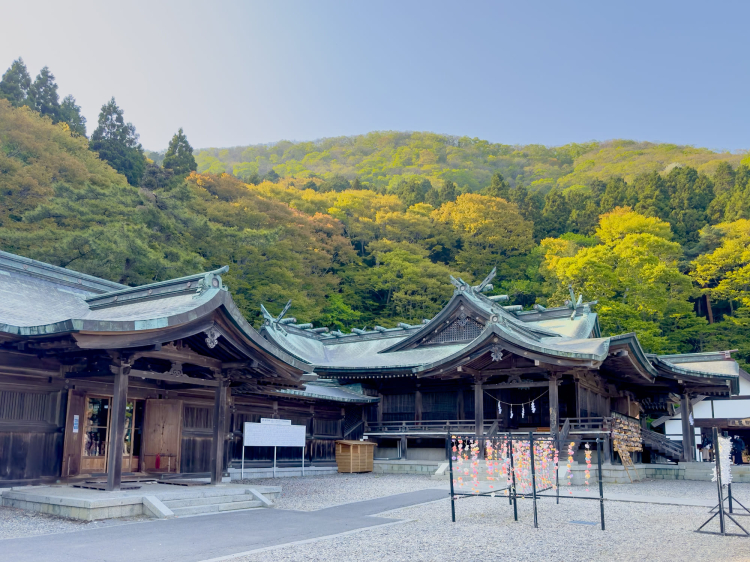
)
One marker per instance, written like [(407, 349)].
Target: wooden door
[(162, 436), (73, 445)]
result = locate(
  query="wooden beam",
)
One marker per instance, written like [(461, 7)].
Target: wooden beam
[(173, 378), (532, 384), (217, 446), (181, 356), (117, 426)]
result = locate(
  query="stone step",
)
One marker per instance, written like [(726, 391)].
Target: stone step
[(215, 508), (192, 502)]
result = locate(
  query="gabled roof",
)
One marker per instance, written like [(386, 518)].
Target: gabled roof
[(566, 336), (40, 300)]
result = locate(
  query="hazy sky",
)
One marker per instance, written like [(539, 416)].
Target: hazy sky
[(235, 73)]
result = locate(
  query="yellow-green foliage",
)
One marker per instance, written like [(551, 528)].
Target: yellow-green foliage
[(628, 159)]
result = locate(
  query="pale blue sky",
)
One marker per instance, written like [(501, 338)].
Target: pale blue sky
[(234, 73)]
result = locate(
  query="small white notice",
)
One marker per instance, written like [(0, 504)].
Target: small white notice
[(275, 421), (75, 423), (273, 433)]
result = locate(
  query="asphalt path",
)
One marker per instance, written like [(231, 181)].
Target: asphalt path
[(193, 539)]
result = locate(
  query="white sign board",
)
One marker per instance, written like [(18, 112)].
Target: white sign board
[(75, 424), (274, 435)]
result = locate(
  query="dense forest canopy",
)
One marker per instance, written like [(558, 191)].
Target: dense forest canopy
[(364, 231)]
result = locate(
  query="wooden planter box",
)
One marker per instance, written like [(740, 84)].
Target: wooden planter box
[(354, 456)]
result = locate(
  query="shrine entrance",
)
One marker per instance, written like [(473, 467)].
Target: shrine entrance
[(89, 421)]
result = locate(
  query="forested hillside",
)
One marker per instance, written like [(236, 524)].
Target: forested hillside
[(382, 159), (659, 234)]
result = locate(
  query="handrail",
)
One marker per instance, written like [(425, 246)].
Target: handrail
[(655, 439)]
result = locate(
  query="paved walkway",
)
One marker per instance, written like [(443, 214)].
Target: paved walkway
[(192, 539)]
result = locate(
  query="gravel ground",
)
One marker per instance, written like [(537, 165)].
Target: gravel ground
[(317, 492), (17, 523), (485, 528)]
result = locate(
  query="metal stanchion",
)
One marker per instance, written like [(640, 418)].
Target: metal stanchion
[(513, 478), (450, 465), (601, 486), (533, 476)]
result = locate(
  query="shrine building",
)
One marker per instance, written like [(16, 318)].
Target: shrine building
[(483, 367), (101, 380)]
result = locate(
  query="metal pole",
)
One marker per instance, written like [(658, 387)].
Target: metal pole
[(513, 476), (729, 493), (601, 486), (533, 475), (717, 460), (303, 460), (242, 466), (510, 497), (557, 474), (274, 461), (450, 466)]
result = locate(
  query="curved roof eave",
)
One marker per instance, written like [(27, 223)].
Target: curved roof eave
[(537, 350), (734, 380), (215, 300), (631, 340)]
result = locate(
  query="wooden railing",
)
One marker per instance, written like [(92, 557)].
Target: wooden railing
[(577, 425), (662, 443)]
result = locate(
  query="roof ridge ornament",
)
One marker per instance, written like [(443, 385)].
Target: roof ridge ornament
[(485, 285)]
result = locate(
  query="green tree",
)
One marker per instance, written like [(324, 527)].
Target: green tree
[(336, 183), (43, 95), (633, 273), (179, 157), (498, 187), (555, 216), (617, 193), (724, 178), (653, 196), (15, 84), (117, 143), (413, 190), (70, 113), (690, 195)]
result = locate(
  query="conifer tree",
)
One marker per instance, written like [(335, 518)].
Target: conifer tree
[(70, 113), (498, 187), (117, 143), (15, 84), (43, 96), (179, 157)]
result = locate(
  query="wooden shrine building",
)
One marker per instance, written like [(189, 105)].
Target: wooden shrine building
[(482, 367), (100, 379)]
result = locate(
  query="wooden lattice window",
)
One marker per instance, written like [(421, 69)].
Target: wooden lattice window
[(461, 329)]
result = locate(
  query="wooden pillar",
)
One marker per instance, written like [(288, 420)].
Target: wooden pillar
[(479, 414), (460, 410), (554, 408), (687, 447), (117, 425), (418, 405), (380, 407), (478, 408), (217, 446)]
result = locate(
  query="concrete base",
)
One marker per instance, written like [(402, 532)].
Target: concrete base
[(406, 467), (287, 472), (151, 500)]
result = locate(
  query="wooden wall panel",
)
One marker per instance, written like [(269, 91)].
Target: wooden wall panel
[(162, 435)]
